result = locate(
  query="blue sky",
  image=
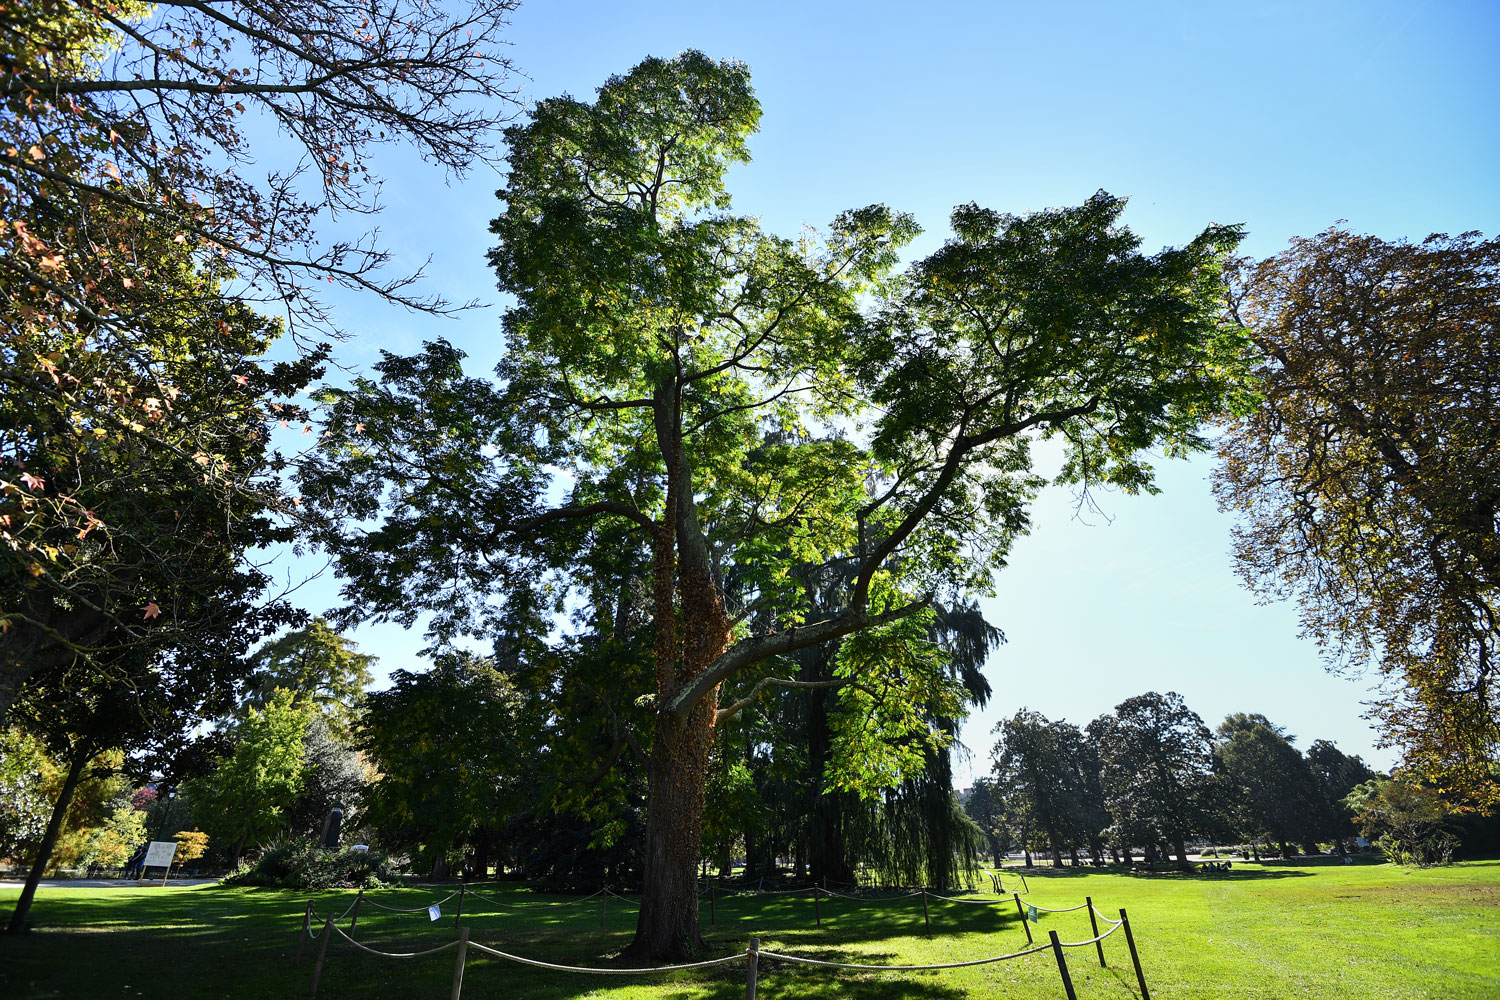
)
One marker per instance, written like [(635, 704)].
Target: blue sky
[(1286, 117)]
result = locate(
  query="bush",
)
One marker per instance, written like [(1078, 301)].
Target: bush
[(299, 864)]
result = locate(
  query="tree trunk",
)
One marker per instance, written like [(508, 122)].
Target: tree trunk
[(49, 840), (236, 854), (829, 853), (667, 927), (1181, 847), (440, 865)]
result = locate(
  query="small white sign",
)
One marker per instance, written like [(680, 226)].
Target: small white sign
[(160, 852), (434, 912)]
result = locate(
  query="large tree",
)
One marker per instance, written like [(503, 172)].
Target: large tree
[(1335, 774), (448, 757), (135, 466), (1270, 792), (1156, 754), (1368, 484), (714, 395), (250, 795), (319, 667), (135, 229), (1038, 769)]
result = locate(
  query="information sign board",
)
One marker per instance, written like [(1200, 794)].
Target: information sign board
[(160, 852)]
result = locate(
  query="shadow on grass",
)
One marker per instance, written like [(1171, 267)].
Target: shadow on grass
[(1234, 874), (211, 942)]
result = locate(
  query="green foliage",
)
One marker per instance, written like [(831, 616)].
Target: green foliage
[(110, 844), (1269, 790), (882, 723), (246, 799), (334, 777), (446, 751), (1156, 755), (1365, 486), (24, 804), (319, 667), (1405, 820), (300, 864), (1042, 771)]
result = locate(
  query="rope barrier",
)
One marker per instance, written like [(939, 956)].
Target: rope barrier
[(414, 909), (903, 968), (751, 954), (604, 972), (1092, 940), (627, 902), (394, 954), (535, 906), (1107, 920), (1049, 909), (874, 899)]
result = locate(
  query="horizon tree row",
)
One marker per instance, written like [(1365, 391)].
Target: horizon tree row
[(1150, 774)]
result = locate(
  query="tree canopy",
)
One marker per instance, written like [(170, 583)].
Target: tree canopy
[(1156, 754), (1367, 485), (717, 395)]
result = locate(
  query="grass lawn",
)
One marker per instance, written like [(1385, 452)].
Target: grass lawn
[(1307, 931)]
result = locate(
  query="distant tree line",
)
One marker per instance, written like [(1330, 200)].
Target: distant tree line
[(1151, 777)]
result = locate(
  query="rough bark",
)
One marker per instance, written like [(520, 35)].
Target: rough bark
[(667, 927)]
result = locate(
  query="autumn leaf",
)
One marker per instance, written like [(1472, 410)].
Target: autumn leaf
[(33, 482), (151, 610)]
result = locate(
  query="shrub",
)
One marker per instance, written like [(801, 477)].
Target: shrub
[(299, 864)]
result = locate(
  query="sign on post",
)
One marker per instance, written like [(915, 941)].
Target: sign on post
[(159, 852), (1032, 915)]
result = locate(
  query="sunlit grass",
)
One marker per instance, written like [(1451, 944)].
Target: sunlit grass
[(1334, 932)]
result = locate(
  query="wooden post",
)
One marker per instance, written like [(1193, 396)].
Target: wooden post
[(817, 911), (1024, 887), (1140, 976), (603, 901), (355, 919), (926, 917), (458, 965), (713, 908), (302, 932), (1025, 924), (322, 952), (1094, 923), (1062, 966), (463, 888), (750, 975)]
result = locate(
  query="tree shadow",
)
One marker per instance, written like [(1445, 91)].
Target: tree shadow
[(1236, 873)]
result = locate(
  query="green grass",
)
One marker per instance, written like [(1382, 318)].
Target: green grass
[(1307, 931)]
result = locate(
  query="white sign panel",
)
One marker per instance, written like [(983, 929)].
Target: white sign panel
[(160, 853), (433, 912)]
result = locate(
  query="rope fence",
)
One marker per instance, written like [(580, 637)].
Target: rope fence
[(752, 953)]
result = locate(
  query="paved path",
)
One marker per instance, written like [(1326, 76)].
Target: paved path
[(101, 883)]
